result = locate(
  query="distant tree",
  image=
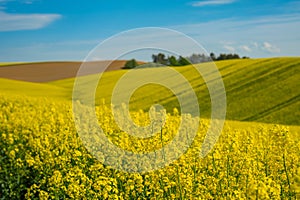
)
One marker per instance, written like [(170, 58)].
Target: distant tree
[(155, 58), (222, 56), (228, 56), (195, 58), (213, 56), (198, 58), (160, 58), (173, 61), (232, 56), (183, 61), (235, 56), (130, 64)]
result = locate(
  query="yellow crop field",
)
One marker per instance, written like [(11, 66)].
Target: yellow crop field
[(42, 157), (149, 100)]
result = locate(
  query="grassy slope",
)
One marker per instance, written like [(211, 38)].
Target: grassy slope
[(9, 63), (262, 90), (32, 89)]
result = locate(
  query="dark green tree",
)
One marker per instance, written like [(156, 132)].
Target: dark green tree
[(173, 61), (154, 58), (160, 58), (235, 56), (212, 56), (222, 56), (183, 61), (130, 64)]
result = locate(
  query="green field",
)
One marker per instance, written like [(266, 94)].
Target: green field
[(262, 90)]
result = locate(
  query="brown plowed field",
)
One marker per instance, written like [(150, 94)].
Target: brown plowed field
[(51, 71)]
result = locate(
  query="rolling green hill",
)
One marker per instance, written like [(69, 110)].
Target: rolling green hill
[(20, 88), (261, 90), (9, 63)]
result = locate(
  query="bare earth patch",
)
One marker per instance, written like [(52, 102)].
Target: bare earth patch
[(51, 71)]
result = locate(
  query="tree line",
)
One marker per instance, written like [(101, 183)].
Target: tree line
[(162, 59)]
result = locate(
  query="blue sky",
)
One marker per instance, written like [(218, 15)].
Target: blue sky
[(39, 30)]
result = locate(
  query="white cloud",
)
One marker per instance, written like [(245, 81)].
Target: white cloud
[(270, 48), (246, 48), (20, 1), (255, 44), (229, 48), (3, 2), (15, 22), (211, 2), (282, 30), (28, 2)]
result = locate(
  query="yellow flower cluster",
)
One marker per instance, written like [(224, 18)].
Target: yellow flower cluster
[(42, 157)]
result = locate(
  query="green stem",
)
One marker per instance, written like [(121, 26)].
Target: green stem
[(162, 144), (286, 172), (178, 180)]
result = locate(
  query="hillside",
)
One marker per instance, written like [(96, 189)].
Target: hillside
[(20, 88), (261, 90)]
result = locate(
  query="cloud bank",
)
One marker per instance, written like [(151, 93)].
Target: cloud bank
[(211, 3), (17, 22), (263, 36)]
